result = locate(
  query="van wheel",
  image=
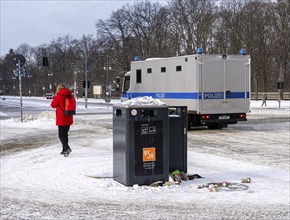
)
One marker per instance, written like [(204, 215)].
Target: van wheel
[(215, 126)]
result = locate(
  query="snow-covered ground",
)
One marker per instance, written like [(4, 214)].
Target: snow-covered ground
[(39, 183)]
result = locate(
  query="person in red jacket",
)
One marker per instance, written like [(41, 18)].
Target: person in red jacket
[(62, 121)]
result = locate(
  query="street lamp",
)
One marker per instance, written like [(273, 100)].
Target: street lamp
[(29, 77), (2, 91), (50, 85), (256, 83), (75, 83), (19, 61), (85, 57), (108, 89)]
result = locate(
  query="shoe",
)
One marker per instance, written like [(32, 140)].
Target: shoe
[(66, 153), (69, 150)]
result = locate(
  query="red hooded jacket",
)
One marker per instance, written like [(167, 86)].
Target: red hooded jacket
[(58, 103)]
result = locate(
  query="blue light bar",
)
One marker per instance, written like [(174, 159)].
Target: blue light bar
[(199, 50), (136, 58), (242, 52)]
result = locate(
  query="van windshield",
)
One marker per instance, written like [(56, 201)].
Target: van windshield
[(126, 84)]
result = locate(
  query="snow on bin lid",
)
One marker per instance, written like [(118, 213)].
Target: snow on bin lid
[(142, 101)]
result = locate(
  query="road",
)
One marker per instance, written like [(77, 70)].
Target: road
[(10, 106), (262, 140)]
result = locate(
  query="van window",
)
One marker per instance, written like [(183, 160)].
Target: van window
[(138, 76), (126, 84), (163, 69), (178, 68), (149, 70)]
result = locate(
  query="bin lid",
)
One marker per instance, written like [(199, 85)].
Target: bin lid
[(142, 102)]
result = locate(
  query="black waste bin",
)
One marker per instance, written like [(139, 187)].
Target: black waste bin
[(140, 144), (178, 138)]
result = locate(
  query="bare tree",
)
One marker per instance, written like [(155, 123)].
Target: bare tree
[(61, 55), (192, 22), (281, 39), (86, 50), (31, 75), (230, 31), (256, 36), (139, 29), (117, 38), (9, 85), (149, 24)]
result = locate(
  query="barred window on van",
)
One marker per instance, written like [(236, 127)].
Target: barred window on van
[(138, 76), (149, 70), (178, 68), (163, 69)]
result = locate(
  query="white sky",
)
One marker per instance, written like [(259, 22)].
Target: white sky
[(36, 22)]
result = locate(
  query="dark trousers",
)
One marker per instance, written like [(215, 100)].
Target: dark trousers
[(63, 136)]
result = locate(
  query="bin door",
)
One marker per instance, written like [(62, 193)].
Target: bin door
[(149, 148)]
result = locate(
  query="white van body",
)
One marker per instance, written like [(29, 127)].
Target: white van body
[(215, 88)]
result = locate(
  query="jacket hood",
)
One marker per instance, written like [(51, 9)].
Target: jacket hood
[(64, 92)]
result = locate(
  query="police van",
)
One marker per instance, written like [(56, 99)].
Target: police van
[(215, 88)]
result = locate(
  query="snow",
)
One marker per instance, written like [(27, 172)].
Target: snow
[(142, 101), (43, 175)]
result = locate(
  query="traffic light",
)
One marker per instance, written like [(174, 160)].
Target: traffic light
[(117, 83), (44, 61), (84, 84), (117, 87), (280, 85)]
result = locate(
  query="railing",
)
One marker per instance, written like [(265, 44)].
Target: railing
[(270, 95)]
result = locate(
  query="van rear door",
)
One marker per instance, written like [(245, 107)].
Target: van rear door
[(224, 83)]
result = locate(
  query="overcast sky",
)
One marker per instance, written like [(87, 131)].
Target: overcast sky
[(39, 21)]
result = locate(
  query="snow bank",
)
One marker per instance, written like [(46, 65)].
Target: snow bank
[(42, 174), (12, 128), (142, 101)]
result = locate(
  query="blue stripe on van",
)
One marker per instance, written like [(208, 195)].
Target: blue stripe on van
[(220, 95), (163, 95), (190, 95), (237, 95)]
